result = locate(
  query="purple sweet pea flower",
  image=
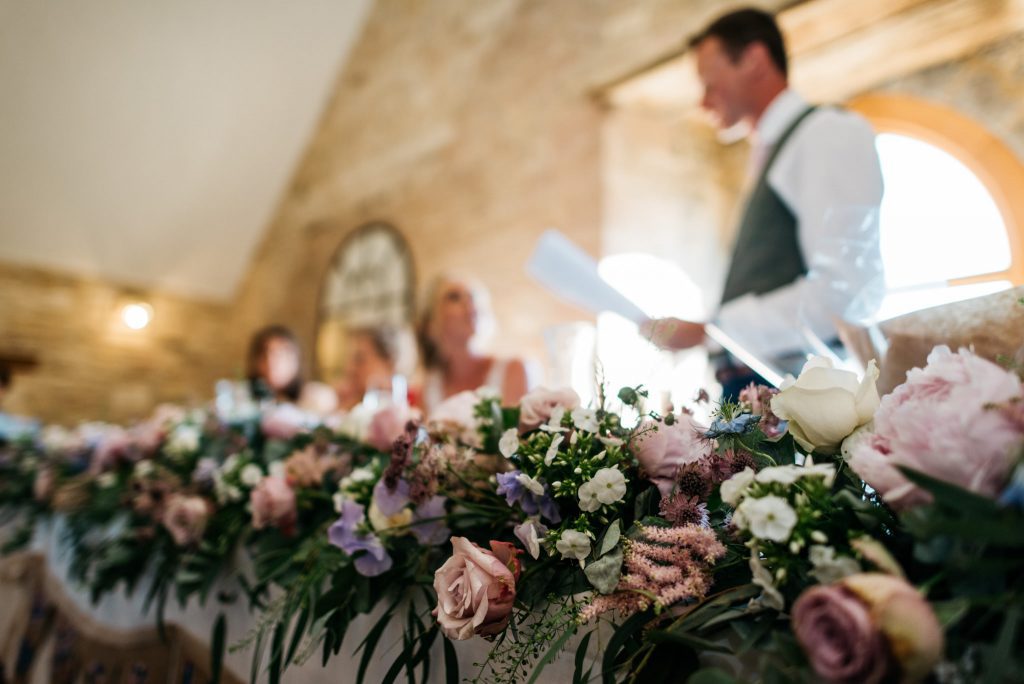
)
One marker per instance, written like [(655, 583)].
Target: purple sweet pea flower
[(391, 501), (514, 492), (345, 535), (428, 522)]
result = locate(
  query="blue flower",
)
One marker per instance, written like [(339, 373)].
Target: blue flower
[(737, 426), (1013, 495), (372, 558), (515, 493)]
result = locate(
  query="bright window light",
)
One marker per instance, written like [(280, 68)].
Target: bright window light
[(661, 289), (137, 316), (938, 223)]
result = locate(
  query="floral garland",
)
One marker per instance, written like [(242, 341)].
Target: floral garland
[(817, 532)]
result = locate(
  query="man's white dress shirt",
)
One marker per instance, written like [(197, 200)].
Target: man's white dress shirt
[(828, 175)]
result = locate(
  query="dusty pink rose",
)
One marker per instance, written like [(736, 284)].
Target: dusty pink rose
[(476, 589), (387, 425), (867, 628), (185, 518), (536, 407), (662, 449), (273, 504), (943, 421)]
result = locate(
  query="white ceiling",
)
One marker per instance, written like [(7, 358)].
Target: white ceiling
[(149, 143)]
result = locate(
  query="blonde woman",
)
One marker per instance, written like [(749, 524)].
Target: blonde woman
[(455, 316)]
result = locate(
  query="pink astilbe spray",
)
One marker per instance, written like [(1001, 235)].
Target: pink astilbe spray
[(661, 567)]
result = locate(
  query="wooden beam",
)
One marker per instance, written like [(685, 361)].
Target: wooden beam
[(840, 48)]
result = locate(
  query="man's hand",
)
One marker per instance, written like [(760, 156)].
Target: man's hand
[(672, 333)]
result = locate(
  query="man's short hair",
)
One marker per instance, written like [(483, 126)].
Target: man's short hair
[(742, 28)]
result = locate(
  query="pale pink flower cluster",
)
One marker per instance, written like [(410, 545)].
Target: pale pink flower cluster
[(953, 420), (664, 566)]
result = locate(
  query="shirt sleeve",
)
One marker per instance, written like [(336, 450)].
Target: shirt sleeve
[(830, 178)]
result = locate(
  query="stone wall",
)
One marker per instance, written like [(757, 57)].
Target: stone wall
[(89, 365), (472, 127)]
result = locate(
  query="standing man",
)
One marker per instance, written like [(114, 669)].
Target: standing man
[(808, 166)]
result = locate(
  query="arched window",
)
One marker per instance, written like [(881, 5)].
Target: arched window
[(951, 223)]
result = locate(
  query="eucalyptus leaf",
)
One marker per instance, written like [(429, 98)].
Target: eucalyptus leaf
[(610, 539), (604, 573)]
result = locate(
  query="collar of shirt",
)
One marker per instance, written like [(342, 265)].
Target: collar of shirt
[(782, 111)]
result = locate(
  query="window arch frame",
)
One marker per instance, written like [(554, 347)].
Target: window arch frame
[(987, 157)]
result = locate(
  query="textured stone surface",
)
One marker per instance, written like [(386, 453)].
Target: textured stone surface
[(92, 367)]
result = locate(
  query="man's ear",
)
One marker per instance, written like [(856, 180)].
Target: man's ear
[(755, 58)]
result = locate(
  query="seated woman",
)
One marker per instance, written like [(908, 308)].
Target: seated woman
[(274, 372), (375, 358), (456, 309)]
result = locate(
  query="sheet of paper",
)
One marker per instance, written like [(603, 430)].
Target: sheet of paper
[(570, 273)]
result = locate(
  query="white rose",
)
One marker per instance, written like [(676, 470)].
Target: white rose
[(732, 489), (769, 517), (251, 475), (610, 484), (825, 404), (508, 445), (573, 545)]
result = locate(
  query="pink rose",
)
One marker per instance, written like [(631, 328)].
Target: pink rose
[(185, 518), (662, 449), (387, 425), (284, 421), (536, 407), (867, 628), (942, 422), (273, 504), (112, 446), (476, 589)]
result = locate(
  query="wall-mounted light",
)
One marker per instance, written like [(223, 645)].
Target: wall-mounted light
[(137, 315)]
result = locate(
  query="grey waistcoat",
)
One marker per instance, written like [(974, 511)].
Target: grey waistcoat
[(766, 254)]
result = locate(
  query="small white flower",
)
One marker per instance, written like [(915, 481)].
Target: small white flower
[(574, 437), (508, 445), (106, 480), (785, 475), (234, 493), (585, 419), (184, 439), (573, 545), (770, 596), (531, 484), (828, 567), (733, 489), (251, 475), (589, 501), (339, 502), (554, 423), (530, 532), (769, 517), (819, 536), (552, 452), (358, 475), (611, 441), (277, 469), (600, 456), (230, 463), (610, 484), (144, 468)]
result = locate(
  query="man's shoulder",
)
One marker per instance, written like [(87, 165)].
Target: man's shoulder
[(831, 119)]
